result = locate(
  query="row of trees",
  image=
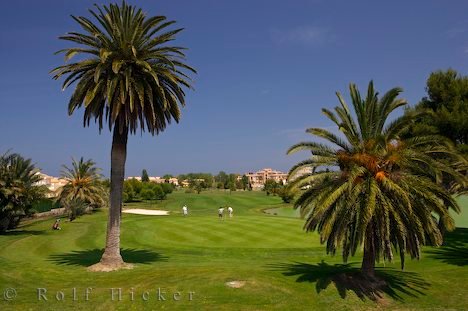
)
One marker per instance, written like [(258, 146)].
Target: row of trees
[(198, 182), (231, 181), (203, 181), (135, 190)]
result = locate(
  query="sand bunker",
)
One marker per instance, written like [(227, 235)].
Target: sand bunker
[(235, 284), (140, 211)]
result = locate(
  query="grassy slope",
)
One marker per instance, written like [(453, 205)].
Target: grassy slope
[(284, 267)]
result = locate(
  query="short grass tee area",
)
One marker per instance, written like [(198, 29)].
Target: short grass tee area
[(252, 261)]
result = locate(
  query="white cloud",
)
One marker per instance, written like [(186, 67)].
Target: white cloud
[(455, 32), (305, 35)]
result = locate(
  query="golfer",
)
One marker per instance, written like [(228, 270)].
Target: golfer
[(221, 212), (185, 210), (230, 210)]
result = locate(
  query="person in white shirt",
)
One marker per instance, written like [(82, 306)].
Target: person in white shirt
[(221, 212), (230, 210), (185, 210)]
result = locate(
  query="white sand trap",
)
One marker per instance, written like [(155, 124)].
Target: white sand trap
[(235, 284), (140, 211)]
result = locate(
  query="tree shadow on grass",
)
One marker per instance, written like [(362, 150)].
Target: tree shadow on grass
[(455, 248), (92, 256), (346, 278), (24, 232)]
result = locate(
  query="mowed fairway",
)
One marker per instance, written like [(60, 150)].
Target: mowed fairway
[(283, 267)]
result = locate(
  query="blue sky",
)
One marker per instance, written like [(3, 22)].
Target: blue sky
[(266, 68)]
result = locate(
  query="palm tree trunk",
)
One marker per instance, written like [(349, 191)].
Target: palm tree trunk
[(368, 260), (111, 256)]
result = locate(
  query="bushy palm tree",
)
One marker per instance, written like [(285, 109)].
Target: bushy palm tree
[(381, 192), (83, 186), (75, 208), (130, 78), (18, 189)]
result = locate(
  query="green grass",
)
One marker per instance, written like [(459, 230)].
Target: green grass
[(284, 267)]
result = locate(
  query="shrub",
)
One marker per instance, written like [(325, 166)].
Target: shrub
[(286, 194), (159, 193), (75, 208), (147, 194), (167, 188), (128, 194), (136, 185), (125, 197), (271, 187)]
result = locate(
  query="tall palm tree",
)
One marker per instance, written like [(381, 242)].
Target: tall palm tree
[(129, 77), (83, 185), (381, 192)]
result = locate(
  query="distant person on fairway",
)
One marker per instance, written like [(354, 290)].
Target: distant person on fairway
[(230, 210), (56, 225), (221, 212), (185, 210)]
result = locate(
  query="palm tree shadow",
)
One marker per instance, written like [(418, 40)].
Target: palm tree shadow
[(455, 248), (25, 232), (92, 256), (346, 278)]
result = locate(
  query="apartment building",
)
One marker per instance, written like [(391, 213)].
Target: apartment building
[(257, 180), (52, 183)]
